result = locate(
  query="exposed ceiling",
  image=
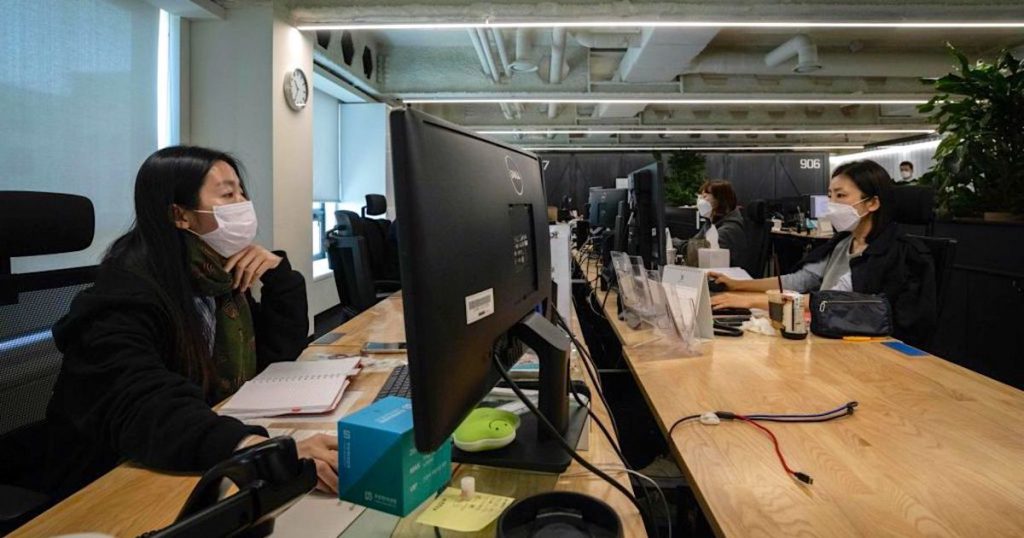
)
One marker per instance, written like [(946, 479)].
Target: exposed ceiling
[(696, 81)]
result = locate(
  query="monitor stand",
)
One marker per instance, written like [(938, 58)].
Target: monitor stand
[(534, 449)]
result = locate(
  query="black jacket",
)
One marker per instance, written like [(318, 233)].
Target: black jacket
[(899, 267), (117, 397)]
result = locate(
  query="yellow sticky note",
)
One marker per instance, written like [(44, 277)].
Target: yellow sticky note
[(451, 512)]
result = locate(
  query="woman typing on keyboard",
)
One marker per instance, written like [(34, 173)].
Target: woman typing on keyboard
[(868, 254), (170, 329)]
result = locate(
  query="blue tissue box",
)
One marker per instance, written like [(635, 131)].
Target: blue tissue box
[(378, 464)]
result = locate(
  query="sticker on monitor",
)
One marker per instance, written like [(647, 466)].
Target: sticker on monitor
[(479, 306)]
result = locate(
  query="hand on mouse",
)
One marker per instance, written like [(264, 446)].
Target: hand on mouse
[(719, 278), (323, 450)]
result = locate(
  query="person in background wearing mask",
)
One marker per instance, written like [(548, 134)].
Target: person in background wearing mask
[(868, 254), (716, 204), (907, 172), (170, 328)]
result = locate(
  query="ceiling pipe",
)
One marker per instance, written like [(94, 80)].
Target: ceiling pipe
[(485, 44), (523, 46), (499, 41), (475, 39), (602, 40), (800, 46), (555, 68)]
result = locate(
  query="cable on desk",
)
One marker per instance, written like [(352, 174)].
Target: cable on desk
[(561, 440), (753, 419), (587, 363), (805, 478), (618, 451), (678, 422), (839, 412), (649, 478)]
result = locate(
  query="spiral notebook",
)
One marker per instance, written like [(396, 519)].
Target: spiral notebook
[(293, 388)]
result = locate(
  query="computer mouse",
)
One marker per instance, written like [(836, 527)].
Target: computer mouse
[(486, 429)]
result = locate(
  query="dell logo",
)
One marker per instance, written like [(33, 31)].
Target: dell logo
[(514, 175)]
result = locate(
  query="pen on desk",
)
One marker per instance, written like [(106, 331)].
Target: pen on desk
[(865, 338)]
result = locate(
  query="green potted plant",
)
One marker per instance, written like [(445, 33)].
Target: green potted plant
[(979, 165), (684, 176)]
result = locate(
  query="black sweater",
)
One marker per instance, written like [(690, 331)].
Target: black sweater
[(899, 267), (117, 397)]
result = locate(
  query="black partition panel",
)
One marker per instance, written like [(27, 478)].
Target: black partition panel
[(574, 174), (769, 176), (753, 175)]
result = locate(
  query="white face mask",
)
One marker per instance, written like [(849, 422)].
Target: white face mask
[(704, 207), (842, 216), (236, 228), (906, 174)]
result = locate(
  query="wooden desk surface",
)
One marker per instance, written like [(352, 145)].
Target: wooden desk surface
[(130, 500), (932, 450)]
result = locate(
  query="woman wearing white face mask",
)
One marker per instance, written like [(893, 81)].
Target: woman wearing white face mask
[(169, 329), (716, 204), (868, 254)]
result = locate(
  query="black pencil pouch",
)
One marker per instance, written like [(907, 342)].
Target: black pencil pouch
[(835, 314)]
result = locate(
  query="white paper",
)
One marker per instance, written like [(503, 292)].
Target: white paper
[(697, 281)]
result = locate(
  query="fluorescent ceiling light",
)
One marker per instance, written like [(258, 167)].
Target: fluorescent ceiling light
[(703, 131), (665, 101), (656, 24), (687, 148), (887, 150)]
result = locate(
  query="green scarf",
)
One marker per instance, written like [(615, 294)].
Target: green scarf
[(234, 347)]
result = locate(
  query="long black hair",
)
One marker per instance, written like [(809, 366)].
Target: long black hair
[(155, 249), (873, 181)]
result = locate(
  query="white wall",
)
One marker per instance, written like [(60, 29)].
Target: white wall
[(237, 101), (232, 85), (293, 165)]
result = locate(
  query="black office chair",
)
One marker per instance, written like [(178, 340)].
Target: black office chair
[(915, 206), (358, 250), (943, 251), (382, 250), (32, 224), (758, 229)]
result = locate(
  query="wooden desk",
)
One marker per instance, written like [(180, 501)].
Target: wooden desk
[(932, 450), (130, 500)]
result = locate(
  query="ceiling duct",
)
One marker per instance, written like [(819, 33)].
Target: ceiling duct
[(605, 40), (800, 46), (557, 60), (834, 64), (522, 64)]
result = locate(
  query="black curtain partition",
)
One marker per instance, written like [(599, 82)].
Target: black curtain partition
[(574, 174), (753, 175)]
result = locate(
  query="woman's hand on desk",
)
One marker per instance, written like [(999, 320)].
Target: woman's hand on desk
[(323, 450), (733, 300)]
